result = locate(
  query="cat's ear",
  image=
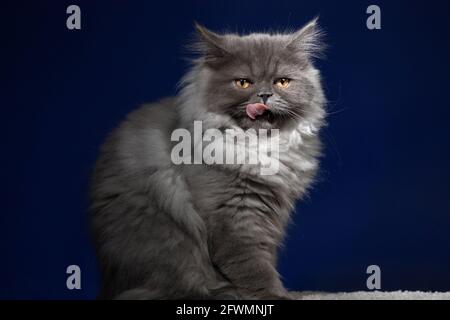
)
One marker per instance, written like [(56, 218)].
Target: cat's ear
[(308, 40), (210, 44)]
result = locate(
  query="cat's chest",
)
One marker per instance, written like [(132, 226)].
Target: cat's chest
[(272, 184), (281, 162)]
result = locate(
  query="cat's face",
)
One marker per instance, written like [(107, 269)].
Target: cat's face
[(261, 80)]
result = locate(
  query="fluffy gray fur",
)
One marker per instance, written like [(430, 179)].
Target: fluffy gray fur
[(166, 231)]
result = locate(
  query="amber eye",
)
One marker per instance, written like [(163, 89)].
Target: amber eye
[(242, 83), (282, 82)]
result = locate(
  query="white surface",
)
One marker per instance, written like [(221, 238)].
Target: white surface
[(375, 295)]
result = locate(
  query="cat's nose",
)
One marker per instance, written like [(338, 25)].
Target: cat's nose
[(265, 96)]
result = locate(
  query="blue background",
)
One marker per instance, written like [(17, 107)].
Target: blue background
[(383, 194)]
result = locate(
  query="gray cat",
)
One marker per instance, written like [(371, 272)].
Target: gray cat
[(168, 231)]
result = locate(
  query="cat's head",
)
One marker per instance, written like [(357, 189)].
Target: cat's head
[(261, 80)]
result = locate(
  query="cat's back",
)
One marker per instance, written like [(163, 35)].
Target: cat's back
[(141, 142)]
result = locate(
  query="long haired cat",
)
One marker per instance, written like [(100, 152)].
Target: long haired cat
[(198, 231)]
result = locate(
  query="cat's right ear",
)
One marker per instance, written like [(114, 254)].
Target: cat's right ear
[(210, 44)]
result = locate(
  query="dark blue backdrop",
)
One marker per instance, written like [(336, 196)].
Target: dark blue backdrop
[(383, 196)]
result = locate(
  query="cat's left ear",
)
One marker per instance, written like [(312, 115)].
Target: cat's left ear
[(308, 40)]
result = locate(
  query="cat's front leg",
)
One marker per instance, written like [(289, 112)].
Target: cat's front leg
[(250, 268)]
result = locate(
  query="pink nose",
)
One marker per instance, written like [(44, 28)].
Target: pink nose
[(255, 109)]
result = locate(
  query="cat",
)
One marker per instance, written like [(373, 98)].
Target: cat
[(168, 231)]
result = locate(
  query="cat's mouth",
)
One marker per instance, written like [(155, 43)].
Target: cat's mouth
[(259, 111), (256, 115)]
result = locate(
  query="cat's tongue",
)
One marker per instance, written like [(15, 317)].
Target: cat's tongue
[(255, 109)]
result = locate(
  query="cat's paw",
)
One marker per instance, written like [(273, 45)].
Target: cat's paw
[(274, 295), (226, 293)]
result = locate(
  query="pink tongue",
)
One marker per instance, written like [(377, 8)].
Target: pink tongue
[(255, 109)]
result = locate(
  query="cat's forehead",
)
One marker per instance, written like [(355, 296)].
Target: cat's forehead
[(261, 55)]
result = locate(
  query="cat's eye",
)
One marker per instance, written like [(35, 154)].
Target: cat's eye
[(242, 83), (282, 82)]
